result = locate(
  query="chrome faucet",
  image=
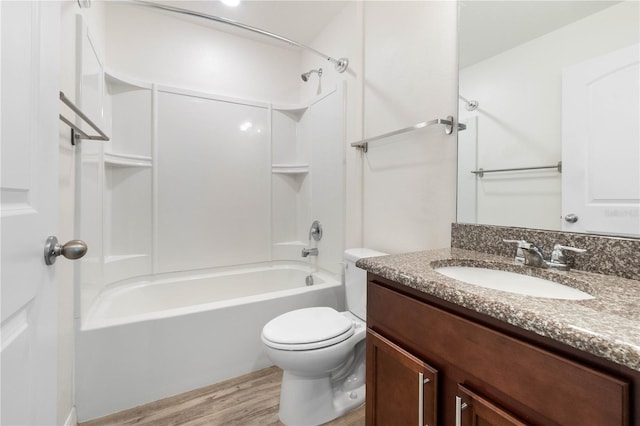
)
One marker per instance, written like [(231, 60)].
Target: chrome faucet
[(309, 252), (531, 255)]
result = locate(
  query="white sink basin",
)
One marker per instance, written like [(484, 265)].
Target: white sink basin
[(513, 283)]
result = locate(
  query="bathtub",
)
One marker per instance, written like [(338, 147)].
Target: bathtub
[(151, 338)]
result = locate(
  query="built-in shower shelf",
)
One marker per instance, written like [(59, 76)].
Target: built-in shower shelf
[(293, 111), (123, 257), (294, 243), (117, 82), (290, 169), (122, 160)]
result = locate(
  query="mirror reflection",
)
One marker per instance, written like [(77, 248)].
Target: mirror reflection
[(549, 92)]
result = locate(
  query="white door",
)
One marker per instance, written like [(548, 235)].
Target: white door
[(601, 144), (29, 210)]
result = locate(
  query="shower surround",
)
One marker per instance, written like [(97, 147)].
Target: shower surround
[(195, 184)]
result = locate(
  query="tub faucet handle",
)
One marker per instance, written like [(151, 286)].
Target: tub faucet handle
[(315, 231)]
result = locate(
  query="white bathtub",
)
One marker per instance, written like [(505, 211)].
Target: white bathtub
[(154, 338)]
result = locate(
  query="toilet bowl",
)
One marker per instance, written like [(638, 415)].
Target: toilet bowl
[(322, 353)]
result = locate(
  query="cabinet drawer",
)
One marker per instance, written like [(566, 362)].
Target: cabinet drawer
[(559, 389)]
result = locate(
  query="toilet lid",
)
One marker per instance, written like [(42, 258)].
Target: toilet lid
[(307, 325)]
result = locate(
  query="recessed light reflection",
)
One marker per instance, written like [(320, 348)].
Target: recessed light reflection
[(246, 126), (230, 3)]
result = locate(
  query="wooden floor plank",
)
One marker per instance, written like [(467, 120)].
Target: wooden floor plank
[(243, 401)]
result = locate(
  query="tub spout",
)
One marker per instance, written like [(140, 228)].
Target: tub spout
[(309, 252)]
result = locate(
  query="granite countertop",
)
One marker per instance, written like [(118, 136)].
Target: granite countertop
[(607, 326)]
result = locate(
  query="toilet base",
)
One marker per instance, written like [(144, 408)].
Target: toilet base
[(309, 402)]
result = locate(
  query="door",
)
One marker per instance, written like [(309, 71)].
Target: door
[(401, 388), (28, 210), (474, 410), (601, 144)]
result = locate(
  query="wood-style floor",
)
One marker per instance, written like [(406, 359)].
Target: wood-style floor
[(244, 401)]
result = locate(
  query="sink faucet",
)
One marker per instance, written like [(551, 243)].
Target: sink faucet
[(531, 255), (309, 252)]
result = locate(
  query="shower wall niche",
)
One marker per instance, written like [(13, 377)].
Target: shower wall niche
[(128, 180), (192, 181), (290, 180)]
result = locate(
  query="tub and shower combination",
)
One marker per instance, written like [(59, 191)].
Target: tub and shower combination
[(196, 212), (163, 308), (165, 311), (144, 340)]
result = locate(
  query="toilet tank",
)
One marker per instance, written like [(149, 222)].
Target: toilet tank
[(355, 280)]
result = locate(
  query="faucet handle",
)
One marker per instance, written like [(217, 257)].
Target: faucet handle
[(561, 247), (557, 255), (522, 244)]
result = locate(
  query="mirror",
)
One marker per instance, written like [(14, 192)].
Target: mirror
[(551, 88)]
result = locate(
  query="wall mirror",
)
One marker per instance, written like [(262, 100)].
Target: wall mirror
[(550, 89)]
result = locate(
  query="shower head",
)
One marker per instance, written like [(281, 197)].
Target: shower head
[(305, 76)]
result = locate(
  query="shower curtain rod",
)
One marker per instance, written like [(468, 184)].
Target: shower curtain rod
[(340, 64)]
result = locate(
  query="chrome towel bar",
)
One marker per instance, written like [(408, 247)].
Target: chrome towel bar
[(77, 132), (448, 129), (481, 172)]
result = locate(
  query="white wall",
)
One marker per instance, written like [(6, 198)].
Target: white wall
[(65, 270), (171, 50), (342, 37), (399, 197), (410, 69), (214, 194), (327, 179), (519, 118), (251, 69), (402, 89)]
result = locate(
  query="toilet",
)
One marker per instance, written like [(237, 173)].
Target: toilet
[(322, 353)]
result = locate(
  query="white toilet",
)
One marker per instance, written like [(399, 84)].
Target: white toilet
[(322, 353)]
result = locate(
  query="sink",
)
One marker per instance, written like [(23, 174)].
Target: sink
[(512, 282)]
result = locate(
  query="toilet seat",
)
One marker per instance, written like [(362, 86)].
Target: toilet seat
[(306, 329)]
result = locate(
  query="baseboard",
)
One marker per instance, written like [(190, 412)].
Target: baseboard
[(72, 418)]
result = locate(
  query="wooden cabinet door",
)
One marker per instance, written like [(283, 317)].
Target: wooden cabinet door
[(401, 389), (474, 410)]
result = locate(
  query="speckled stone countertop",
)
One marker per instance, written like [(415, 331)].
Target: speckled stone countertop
[(607, 326)]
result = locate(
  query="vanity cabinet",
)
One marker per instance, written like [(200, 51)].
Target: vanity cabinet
[(482, 374)]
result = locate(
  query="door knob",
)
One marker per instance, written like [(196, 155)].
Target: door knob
[(73, 249), (571, 218)]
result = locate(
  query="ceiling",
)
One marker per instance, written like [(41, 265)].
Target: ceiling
[(486, 27), (300, 21), (491, 27)]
